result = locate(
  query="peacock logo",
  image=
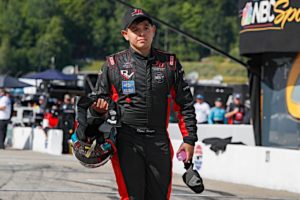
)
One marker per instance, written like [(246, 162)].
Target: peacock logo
[(247, 14), (293, 90)]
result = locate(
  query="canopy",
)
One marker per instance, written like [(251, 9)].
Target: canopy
[(52, 74), (11, 82)]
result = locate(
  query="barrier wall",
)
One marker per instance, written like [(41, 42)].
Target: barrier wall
[(54, 142), (37, 140), (21, 138), (239, 133), (258, 166), (265, 167)]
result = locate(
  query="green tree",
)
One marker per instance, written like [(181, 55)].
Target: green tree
[(53, 43), (33, 31)]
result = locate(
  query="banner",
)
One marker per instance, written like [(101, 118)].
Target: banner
[(269, 26)]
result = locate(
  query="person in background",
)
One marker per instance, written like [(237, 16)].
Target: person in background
[(236, 111), (51, 116), (247, 118), (217, 113), (40, 110), (66, 123), (5, 114), (202, 109)]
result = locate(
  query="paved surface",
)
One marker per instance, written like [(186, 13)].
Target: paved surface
[(27, 175)]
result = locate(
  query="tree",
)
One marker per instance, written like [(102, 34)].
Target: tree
[(53, 43), (33, 31)]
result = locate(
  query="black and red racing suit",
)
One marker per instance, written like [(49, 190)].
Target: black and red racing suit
[(143, 88)]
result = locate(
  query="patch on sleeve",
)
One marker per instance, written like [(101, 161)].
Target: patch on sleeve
[(172, 62), (111, 60)]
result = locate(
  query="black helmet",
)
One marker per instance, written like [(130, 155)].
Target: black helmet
[(92, 154), (94, 137)]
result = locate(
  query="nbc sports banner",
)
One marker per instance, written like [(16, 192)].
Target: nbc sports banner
[(269, 26)]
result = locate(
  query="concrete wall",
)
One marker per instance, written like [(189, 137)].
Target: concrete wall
[(22, 137), (239, 133), (37, 140), (257, 166)]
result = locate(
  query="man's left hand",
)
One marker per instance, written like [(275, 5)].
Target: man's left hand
[(189, 150)]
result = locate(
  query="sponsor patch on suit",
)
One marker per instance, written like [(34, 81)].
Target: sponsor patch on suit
[(159, 77), (128, 87)]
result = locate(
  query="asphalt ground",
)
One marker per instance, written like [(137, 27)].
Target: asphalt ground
[(27, 175)]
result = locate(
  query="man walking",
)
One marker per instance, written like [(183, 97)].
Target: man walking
[(143, 81)]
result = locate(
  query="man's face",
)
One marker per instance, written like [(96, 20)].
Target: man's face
[(67, 100), (140, 35), (237, 101), (218, 104), (199, 100)]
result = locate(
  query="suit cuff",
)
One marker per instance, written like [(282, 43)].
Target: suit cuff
[(190, 140)]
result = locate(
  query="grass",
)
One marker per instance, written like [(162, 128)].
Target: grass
[(93, 66), (207, 68)]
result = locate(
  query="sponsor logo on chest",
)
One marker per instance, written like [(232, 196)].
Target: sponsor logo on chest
[(126, 74), (159, 77), (159, 66)]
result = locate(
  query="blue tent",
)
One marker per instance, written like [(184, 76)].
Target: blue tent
[(52, 74), (11, 82)]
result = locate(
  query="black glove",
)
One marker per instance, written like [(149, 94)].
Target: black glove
[(90, 121), (192, 178)]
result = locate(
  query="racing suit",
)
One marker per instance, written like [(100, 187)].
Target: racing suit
[(143, 88)]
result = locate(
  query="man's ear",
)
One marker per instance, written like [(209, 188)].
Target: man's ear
[(153, 30), (125, 34)]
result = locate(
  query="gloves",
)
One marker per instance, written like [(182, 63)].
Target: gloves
[(88, 120), (192, 178)]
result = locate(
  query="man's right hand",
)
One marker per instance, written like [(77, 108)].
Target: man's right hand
[(100, 106)]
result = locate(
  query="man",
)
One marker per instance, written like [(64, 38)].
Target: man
[(236, 111), (66, 123), (202, 109), (143, 80), (41, 109), (217, 113), (5, 113)]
